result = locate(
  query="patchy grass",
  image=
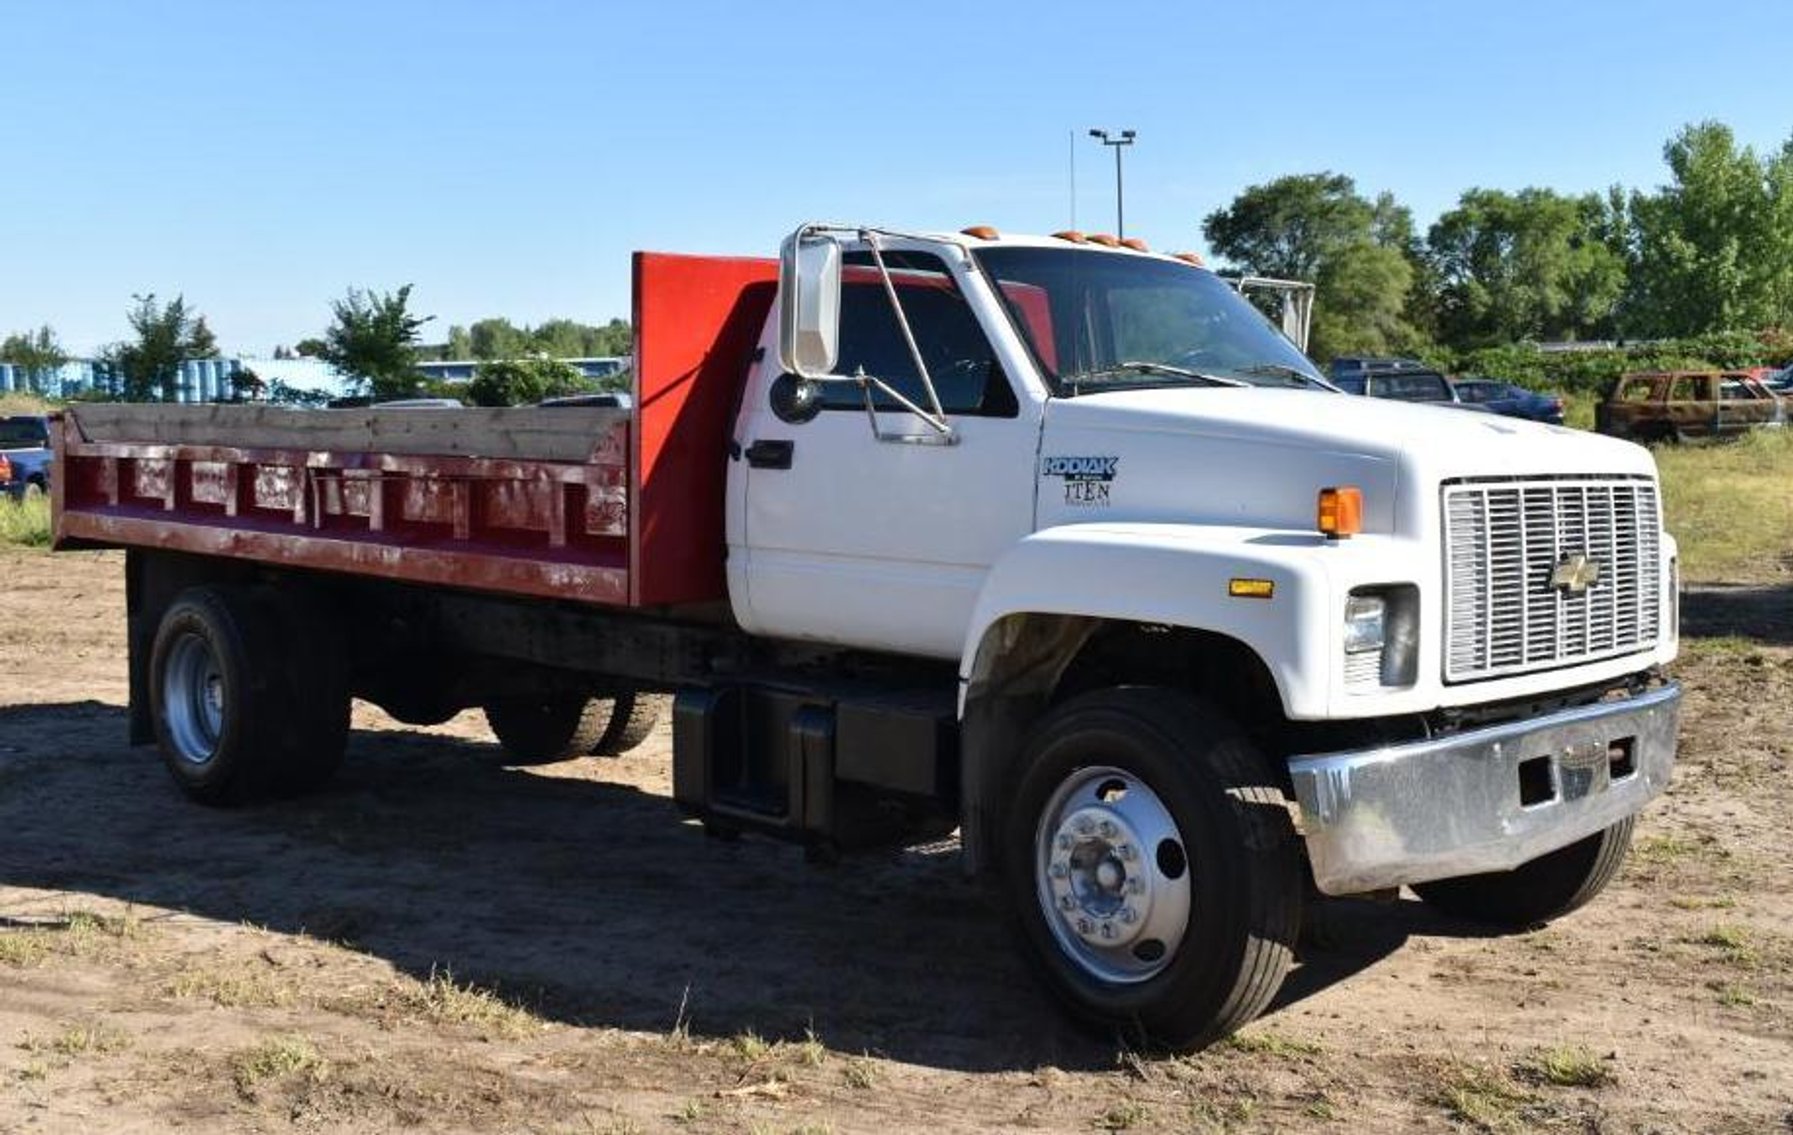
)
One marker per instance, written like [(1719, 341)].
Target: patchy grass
[(1732, 995), (15, 402), (443, 1000), (750, 1045), (860, 1074), (1264, 1042), (79, 934), (1123, 1116), (1731, 507), (231, 989), (276, 1058), (77, 1040), (1486, 1099), (1733, 942), (25, 522), (1565, 1066)]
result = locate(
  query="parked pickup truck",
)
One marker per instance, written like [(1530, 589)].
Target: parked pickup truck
[(1054, 541), (1670, 406), (24, 455)]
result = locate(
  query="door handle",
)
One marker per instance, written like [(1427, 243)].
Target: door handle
[(770, 454)]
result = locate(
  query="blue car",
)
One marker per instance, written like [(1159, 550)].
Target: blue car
[(1514, 401), (25, 443)]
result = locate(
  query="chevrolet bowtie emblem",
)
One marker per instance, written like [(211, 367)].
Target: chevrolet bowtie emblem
[(1576, 573)]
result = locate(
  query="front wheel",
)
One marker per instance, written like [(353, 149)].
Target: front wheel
[(1153, 866), (1548, 887)]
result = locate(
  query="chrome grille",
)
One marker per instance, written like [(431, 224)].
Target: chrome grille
[(1505, 539)]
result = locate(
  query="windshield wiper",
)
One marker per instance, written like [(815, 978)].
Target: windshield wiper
[(1076, 381), (1284, 369)]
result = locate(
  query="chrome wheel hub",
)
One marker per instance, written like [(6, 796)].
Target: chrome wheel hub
[(1113, 878), (193, 699)]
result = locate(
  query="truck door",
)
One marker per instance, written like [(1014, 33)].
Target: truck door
[(882, 539)]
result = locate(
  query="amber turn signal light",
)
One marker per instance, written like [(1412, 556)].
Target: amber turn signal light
[(1341, 511)]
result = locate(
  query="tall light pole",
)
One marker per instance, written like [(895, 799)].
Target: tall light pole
[(1118, 139)]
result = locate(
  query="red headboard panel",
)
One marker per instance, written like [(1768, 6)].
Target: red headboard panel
[(697, 319)]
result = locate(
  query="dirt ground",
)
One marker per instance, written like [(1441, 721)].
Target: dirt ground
[(438, 943)]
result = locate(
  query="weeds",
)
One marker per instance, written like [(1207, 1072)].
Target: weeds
[(443, 1000), (1731, 941), (79, 934), (275, 1059), (1565, 1066), (1483, 1098), (1123, 1116), (861, 1074), (77, 1040), (1264, 1042), (1729, 507), (26, 522)]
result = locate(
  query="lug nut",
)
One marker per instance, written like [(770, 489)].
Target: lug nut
[(1058, 871), (1125, 853), (1136, 886), (1084, 926), (1108, 930), (1129, 915), (1084, 825), (1107, 829), (1066, 902), (1064, 842)]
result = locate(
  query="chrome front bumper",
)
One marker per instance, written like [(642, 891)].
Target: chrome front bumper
[(1463, 804)]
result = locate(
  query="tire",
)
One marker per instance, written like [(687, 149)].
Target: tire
[(1205, 924), (240, 707), (316, 665), (1548, 887), (543, 730), (633, 716)]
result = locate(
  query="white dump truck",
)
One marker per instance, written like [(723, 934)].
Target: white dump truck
[(1055, 541)]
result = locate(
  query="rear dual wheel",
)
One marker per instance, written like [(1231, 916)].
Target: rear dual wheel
[(247, 694), (558, 727), (1153, 867)]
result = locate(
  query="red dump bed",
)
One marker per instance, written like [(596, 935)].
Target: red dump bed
[(605, 506)]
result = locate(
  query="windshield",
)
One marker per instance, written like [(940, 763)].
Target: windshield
[(23, 432), (1099, 322)]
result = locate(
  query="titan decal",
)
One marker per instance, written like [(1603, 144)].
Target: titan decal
[(1087, 479)]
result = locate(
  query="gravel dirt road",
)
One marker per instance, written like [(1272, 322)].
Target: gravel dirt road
[(438, 943)]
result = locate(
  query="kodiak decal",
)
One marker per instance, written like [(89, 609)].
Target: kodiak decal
[(1087, 479)]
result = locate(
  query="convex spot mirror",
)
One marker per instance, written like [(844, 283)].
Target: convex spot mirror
[(809, 275)]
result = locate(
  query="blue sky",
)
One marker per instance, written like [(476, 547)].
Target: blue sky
[(261, 157)]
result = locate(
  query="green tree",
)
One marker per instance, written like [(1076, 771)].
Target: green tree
[(374, 339), (523, 382), (460, 344), (1713, 249), (37, 353), (1526, 265), (168, 334), (495, 338), (1358, 253)]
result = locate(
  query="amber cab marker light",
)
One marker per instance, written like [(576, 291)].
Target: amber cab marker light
[(982, 232), (1341, 511), (1071, 235), (1136, 244), (1104, 239), (1190, 257)]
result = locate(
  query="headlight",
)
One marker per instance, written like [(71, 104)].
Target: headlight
[(1366, 618)]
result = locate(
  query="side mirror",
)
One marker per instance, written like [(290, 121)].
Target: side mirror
[(809, 275)]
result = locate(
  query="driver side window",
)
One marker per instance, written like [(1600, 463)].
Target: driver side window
[(964, 370)]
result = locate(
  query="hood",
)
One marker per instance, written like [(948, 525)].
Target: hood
[(1258, 456)]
